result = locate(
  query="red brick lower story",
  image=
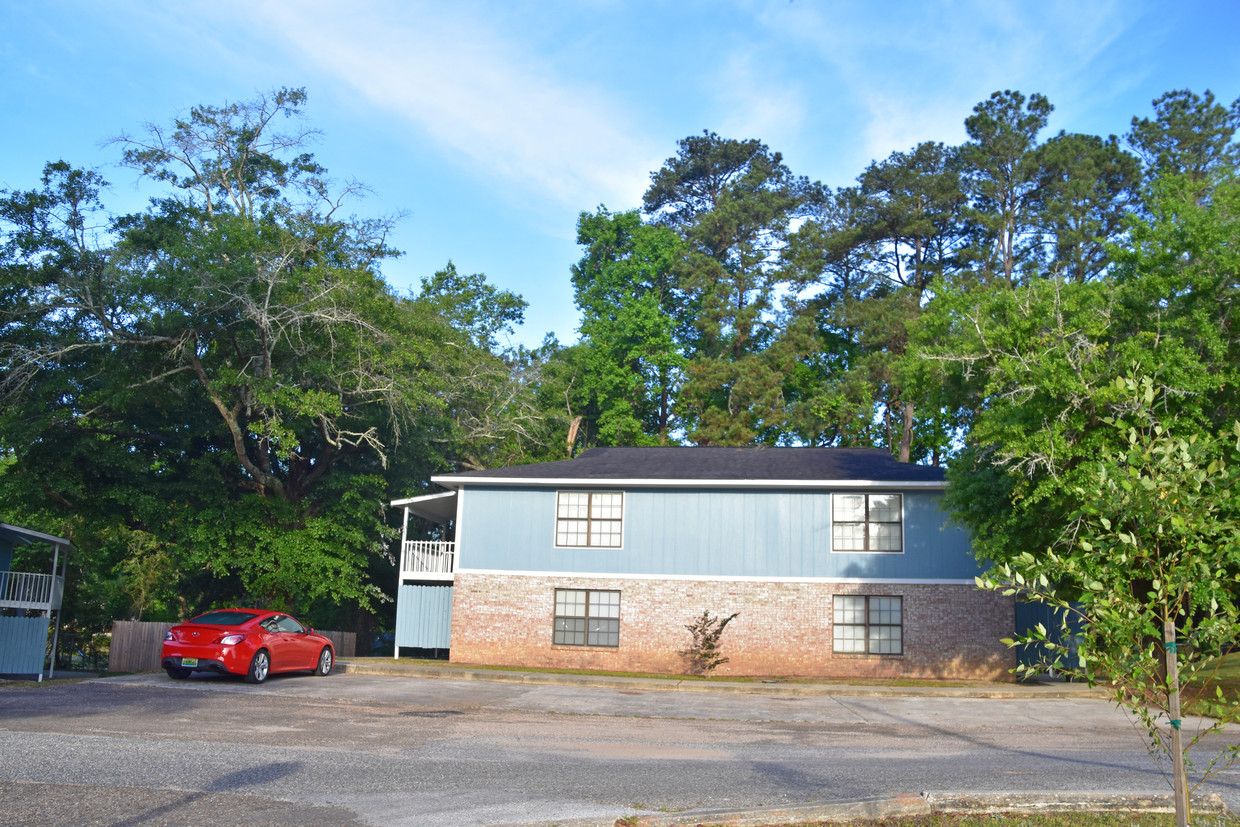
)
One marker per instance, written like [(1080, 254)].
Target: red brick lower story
[(783, 629)]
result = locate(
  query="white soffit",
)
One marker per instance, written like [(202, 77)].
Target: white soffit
[(438, 508)]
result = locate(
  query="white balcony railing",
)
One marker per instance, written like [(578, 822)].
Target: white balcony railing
[(428, 559), (24, 590)]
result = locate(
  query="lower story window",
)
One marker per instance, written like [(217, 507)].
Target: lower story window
[(586, 617), (868, 625)]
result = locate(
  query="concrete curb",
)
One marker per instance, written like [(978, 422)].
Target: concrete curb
[(987, 690), (909, 805), (846, 810), (1068, 802)]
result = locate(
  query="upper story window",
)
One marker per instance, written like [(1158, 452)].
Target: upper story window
[(867, 522), (592, 519)]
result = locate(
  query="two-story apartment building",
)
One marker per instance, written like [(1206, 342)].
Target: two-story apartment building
[(840, 562)]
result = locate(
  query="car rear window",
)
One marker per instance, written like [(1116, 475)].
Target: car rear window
[(224, 618)]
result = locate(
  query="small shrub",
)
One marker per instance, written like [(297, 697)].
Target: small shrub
[(703, 654)]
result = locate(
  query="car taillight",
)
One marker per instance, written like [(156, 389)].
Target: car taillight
[(232, 640)]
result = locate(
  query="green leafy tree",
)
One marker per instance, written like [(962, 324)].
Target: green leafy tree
[(916, 210), (830, 262), (914, 206), (1086, 189), (733, 203), (226, 374), (470, 305), (1002, 176), (871, 257), (1037, 361), (1191, 137), (1145, 579), (635, 329), (1044, 358), (493, 417), (150, 575)]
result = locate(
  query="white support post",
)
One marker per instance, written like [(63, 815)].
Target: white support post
[(54, 614), (456, 526), (400, 565)]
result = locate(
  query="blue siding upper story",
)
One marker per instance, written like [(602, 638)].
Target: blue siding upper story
[(707, 533)]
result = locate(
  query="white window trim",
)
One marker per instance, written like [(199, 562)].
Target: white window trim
[(555, 520), (903, 522)]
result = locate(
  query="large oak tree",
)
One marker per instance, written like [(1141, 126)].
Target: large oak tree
[(223, 386)]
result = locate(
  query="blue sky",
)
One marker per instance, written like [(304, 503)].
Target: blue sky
[(494, 124)]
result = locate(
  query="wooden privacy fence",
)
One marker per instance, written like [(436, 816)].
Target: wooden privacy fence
[(345, 643), (136, 645)]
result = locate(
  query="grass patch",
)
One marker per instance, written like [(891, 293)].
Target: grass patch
[(1224, 675), (27, 684), (440, 664), (473, 667)]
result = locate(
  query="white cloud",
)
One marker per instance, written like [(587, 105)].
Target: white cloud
[(916, 70), (896, 124), (758, 103), (487, 100)]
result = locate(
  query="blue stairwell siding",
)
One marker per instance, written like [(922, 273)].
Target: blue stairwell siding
[(708, 533), (424, 617), (23, 645)]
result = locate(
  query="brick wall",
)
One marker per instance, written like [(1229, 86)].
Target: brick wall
[(950, 631)]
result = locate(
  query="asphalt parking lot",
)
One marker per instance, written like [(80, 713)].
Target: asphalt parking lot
[(377, 749)]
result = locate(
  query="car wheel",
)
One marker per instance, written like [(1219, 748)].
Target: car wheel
[(260, 666), (180, 673), (326, 661)]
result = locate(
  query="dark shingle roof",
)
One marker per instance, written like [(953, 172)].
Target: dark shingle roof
[(715, 464)]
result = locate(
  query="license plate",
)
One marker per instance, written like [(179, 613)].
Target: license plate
[(189, 661)]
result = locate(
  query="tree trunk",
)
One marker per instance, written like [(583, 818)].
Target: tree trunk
[(906, 434)]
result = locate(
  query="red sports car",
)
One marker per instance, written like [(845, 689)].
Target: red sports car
[(249, 642)]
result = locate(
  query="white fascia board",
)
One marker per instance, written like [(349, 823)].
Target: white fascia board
[(438, 508), (577, 482), (422, 499), (723, 578)]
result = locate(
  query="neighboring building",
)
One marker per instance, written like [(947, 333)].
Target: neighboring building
[(840, 562), (28, 601)]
